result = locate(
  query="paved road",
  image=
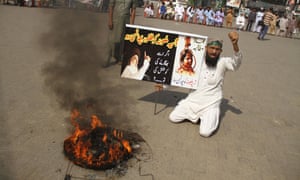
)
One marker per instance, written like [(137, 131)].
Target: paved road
[(51, 57)]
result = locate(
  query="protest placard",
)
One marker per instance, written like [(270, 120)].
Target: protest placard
[(163, 56), (233, 3)]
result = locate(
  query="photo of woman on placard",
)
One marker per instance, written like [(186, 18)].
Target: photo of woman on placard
[(133, 69), (187, 59)]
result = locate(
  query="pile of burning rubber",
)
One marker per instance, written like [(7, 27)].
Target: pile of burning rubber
[(97, 146)]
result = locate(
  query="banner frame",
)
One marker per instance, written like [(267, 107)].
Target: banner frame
[(166, 31), (182, 76)]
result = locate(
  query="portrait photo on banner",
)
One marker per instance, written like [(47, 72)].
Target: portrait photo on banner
[(188, 60), (233, 3), (162, 56)]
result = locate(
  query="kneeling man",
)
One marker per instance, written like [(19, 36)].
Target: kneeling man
[(204, 103)]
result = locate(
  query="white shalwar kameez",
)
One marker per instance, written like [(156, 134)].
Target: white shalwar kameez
[(179, 11), (204, 103)]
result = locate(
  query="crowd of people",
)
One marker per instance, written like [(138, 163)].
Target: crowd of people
[(30, 3), (284, 25), (191, 14), (97, 5)]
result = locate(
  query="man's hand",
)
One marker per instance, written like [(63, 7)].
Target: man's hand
[(110, 25), (234, 37), (146, 57), (110, 17)]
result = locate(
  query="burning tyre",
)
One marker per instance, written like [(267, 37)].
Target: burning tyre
[(97, 146)]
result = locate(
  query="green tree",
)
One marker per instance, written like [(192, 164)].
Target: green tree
[(280, 2), (192, 2)]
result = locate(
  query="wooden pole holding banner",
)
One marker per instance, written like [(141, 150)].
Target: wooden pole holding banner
[(158, 88)]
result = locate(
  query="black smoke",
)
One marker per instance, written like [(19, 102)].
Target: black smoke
[(75, 76)]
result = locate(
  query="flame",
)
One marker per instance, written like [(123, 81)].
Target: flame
[(95, 122), (127, 145), (104, 139), (97, 147)]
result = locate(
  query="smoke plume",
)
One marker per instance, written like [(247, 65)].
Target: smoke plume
[(75, 76)]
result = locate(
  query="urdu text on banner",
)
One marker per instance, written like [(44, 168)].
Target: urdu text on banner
[(162, 56)]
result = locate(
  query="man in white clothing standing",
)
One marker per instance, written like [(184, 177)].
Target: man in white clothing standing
[(283, 24), (179, 12), (240, 22), (204, 103), (259, 17)]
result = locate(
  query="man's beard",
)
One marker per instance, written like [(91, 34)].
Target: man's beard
[(211, 62)]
